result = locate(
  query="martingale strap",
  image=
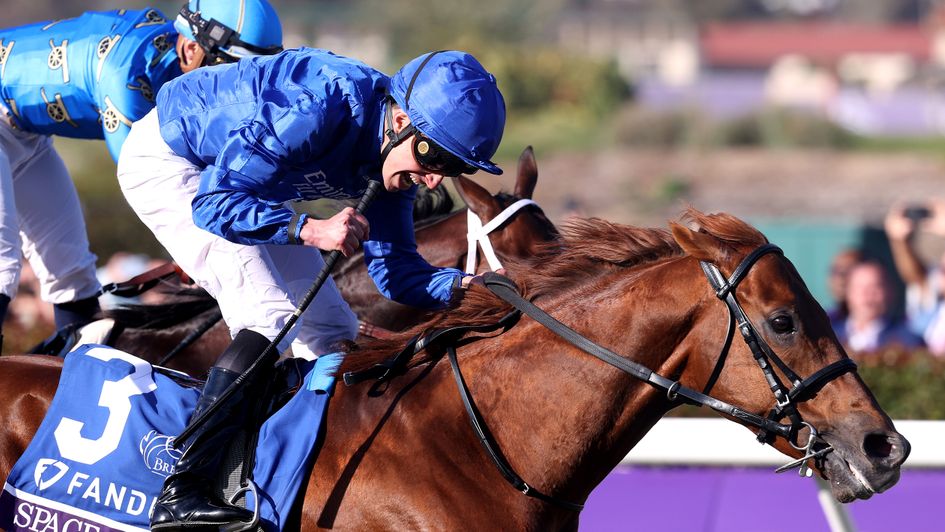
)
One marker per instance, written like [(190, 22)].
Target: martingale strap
[(491, 447)]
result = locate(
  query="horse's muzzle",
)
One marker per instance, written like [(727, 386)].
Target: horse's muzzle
[(870, 467)]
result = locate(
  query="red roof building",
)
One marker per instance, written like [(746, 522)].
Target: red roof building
[(759, 45)]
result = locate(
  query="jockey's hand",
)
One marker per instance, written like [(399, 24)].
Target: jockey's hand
[(343, 232), (477, 279)]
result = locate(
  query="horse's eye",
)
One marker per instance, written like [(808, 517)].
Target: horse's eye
[(782, 324)]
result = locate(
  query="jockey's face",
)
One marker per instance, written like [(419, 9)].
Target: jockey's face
[(401, 169)]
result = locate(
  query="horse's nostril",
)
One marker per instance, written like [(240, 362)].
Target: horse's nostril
[(877, 445)]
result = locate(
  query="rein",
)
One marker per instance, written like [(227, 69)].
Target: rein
[(143, 282), (769, 426)]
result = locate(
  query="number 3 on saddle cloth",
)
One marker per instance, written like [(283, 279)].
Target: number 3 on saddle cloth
[(101, 454)]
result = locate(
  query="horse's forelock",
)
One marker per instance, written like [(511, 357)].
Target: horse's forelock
[(726, 228)]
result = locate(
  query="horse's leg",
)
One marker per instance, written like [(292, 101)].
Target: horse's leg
[(29, 383)]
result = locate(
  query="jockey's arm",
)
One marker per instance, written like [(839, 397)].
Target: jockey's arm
[(227, 207), (392, 260), (119, 108), (127, 88), (250, 166)]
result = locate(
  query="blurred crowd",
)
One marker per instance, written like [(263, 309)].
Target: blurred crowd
[(30, 319), (864, 316)]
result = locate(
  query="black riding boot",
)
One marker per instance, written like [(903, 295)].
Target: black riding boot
[(187, 501)]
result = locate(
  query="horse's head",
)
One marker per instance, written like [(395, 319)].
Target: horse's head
[(855, 446), (514, 226)]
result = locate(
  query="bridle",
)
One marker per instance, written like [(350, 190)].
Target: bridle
[(786, 400), (477, 233), (770, 425)]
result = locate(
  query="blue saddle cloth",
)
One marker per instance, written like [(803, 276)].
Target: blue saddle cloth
[(104, 448)]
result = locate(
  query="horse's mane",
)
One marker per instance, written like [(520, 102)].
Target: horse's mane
[(183, 305), (588, 248), (430, 203)]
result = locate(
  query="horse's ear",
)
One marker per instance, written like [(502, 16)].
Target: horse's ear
[(477, 198), (697, 244), (527, 174)]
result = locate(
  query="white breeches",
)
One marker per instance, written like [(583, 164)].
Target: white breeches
[(41, 219), (257, 287)]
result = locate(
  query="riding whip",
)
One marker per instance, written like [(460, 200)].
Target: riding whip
[(271, 349)]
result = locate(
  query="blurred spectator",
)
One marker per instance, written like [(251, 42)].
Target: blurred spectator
[(840, 268), (868, 325), (29, 319), (925, 284), (27, 309)]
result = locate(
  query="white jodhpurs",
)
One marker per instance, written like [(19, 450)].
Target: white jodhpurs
[(41, 219), (257, 287)]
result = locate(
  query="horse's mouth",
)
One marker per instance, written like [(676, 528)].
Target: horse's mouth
[(847, 483), (853, 477)]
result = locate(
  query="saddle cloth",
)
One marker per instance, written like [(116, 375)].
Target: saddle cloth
[(101, 454)]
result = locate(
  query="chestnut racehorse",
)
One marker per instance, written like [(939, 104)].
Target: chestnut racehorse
[(401, 454), (152, 331)]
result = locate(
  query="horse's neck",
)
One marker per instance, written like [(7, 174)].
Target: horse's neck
[(569, 418), (443, 242), (562, 418)]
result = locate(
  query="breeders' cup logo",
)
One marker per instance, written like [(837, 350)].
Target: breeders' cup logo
[(48, 471), (159, 453)]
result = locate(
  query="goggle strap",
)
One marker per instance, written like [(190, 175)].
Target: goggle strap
[(416, 74)]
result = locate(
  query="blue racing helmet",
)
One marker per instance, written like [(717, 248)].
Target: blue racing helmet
[(453, 101), (231, 29)]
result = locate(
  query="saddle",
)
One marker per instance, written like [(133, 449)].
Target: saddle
[(67, 339), (104, 466)]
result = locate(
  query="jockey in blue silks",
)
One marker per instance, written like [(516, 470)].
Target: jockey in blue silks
[(91, 77), (214, 167)]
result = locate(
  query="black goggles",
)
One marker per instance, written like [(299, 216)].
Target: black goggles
[(436, 159)]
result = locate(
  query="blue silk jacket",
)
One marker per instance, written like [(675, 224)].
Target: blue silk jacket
[(301, 125), (87, 77)]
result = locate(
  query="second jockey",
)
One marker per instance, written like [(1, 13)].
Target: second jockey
[(90, 77)]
